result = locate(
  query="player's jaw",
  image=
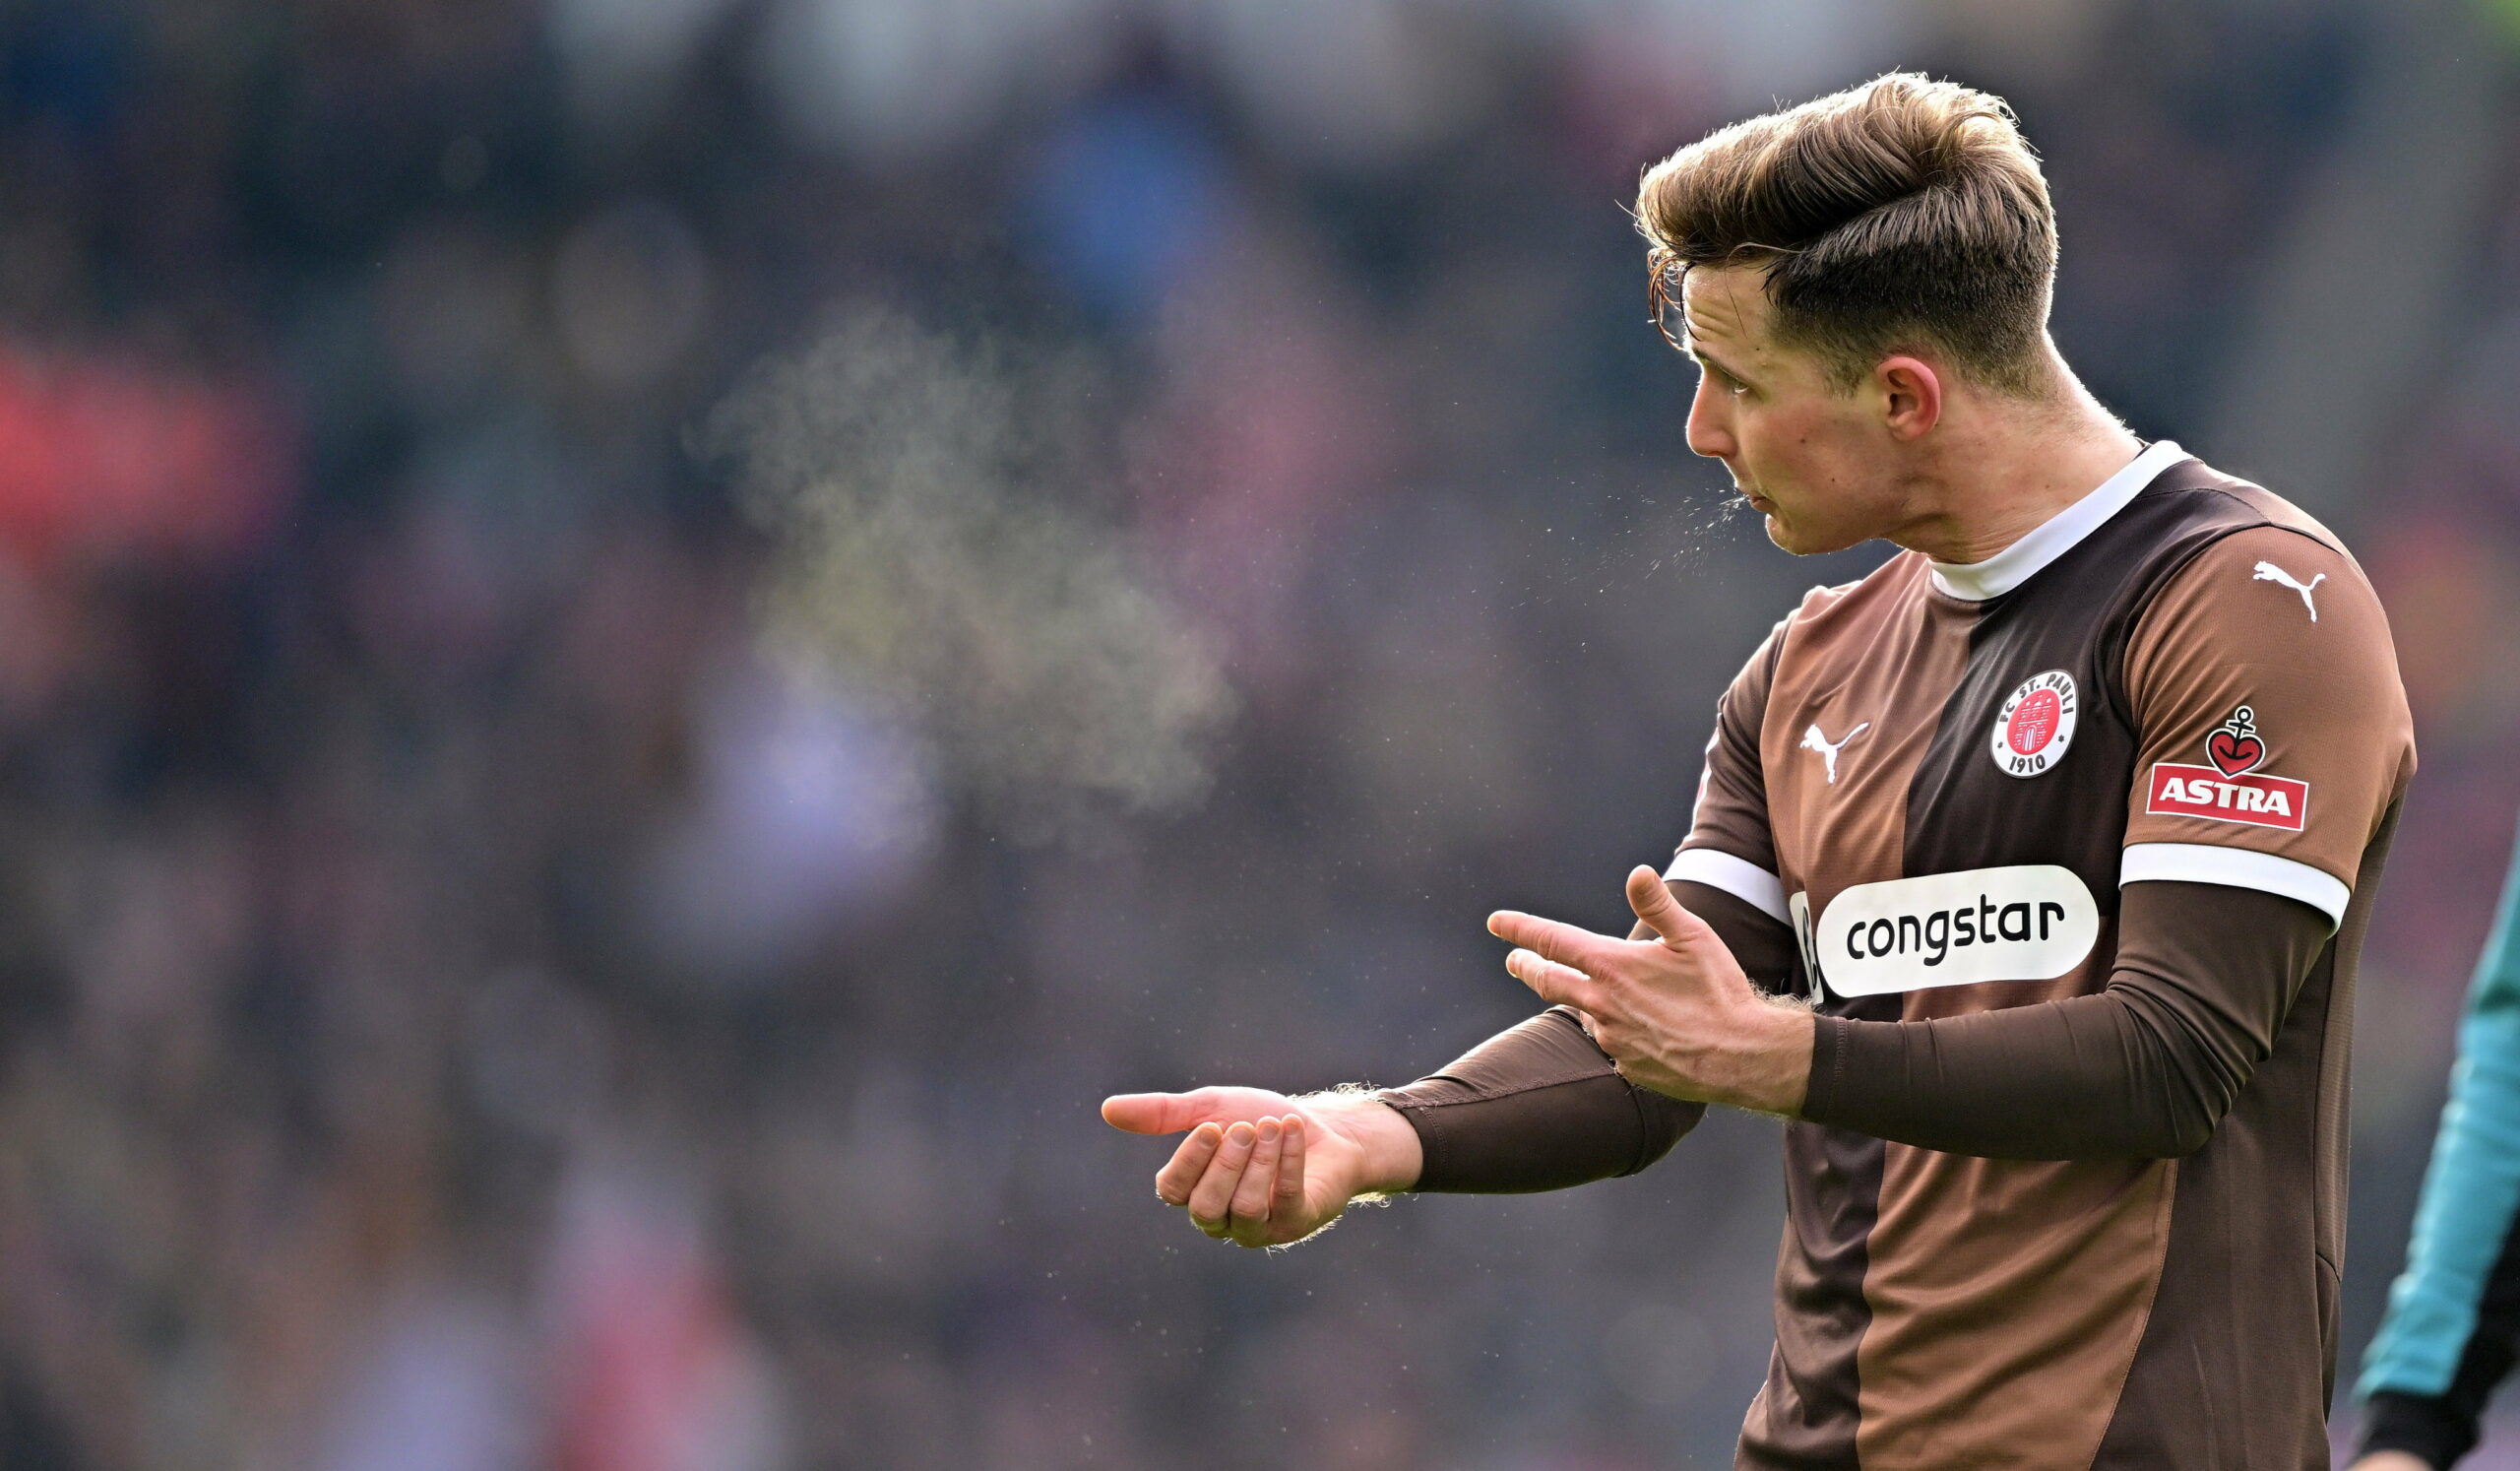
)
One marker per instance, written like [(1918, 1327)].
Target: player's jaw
[(1810, 531), (1807, 460), (1812, 508)]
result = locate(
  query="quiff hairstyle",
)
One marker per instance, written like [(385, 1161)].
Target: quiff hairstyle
[(1905, 212)]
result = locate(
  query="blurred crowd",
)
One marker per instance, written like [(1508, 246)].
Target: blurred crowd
[(469, 1000)]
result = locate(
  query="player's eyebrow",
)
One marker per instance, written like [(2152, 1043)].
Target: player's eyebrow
[(1705, 359)]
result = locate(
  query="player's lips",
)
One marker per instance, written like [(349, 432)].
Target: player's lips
[(1758, 502)]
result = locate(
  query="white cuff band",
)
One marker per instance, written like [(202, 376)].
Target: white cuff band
[(2240, 867), (1739, 877)]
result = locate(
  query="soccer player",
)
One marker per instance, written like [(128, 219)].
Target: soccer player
[(2026, 875), (2454, 1315)]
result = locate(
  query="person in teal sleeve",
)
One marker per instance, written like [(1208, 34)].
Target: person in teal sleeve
[(2453, 1324)]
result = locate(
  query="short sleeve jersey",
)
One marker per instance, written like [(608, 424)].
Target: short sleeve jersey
[(1942, 777)]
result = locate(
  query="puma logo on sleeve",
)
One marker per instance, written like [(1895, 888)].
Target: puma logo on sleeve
[(2269, 572)]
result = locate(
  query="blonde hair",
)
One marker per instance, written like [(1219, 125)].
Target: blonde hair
[(1902, 212)]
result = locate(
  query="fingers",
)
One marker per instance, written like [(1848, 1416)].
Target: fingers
[(1651, 899), (1249, 1212), (1152, 1112), (1566, 944), (1212, 1199), (1243, 1182), (1285, 1204), (1556, 983), (1175, 1180)]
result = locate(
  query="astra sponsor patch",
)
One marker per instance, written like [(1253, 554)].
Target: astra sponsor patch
[(2032, 922), (2202, 792), (2232, 789), (2036, 725)]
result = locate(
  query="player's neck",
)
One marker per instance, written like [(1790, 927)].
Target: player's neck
[(2008, 466)]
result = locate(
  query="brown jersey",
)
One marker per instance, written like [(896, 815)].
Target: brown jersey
[(1942, 777)]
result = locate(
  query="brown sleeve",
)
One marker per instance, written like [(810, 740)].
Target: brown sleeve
[(1729, 845), (1539, 1106), (2144, 1070), (2274, 734)]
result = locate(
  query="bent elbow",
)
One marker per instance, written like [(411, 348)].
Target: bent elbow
[(2186, 1126), (1661, 1122), (2180, 1117), (2183, 1137), (2189, 1086)]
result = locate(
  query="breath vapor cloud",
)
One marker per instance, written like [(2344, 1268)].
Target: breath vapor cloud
[(929, 547)]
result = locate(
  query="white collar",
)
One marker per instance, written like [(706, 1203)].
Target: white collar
[(1975, 582)]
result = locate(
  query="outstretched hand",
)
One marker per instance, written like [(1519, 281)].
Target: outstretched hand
[(1260, 1169), (1672, 1009)]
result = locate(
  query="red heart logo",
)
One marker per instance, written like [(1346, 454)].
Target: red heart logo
[(2233, 754)]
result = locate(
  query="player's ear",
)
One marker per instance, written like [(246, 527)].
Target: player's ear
[(1909, 394)]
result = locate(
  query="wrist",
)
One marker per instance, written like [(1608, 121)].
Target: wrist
[(1389, 1158), (1774, 1067)]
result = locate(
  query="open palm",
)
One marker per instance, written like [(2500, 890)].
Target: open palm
[(1259, 1168)]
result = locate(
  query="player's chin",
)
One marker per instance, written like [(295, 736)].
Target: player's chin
[(1806, 539)]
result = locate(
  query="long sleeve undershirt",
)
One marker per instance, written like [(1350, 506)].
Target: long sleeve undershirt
[(1540, 1106), (2145, 1068), (2203, 976)]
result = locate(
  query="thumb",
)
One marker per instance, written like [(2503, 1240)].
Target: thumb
[(1152, 1112), (1651, 899)]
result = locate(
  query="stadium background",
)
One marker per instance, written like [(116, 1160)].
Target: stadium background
[(1221, 525)]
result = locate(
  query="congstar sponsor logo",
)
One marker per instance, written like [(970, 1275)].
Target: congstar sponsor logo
[(2032, 922)]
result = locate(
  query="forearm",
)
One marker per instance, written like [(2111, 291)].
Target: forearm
[(2437, 1429), (1539, 1106), (2091, 1077), (2144, 1070)]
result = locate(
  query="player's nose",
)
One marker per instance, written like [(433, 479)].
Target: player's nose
[(1708, 434)]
